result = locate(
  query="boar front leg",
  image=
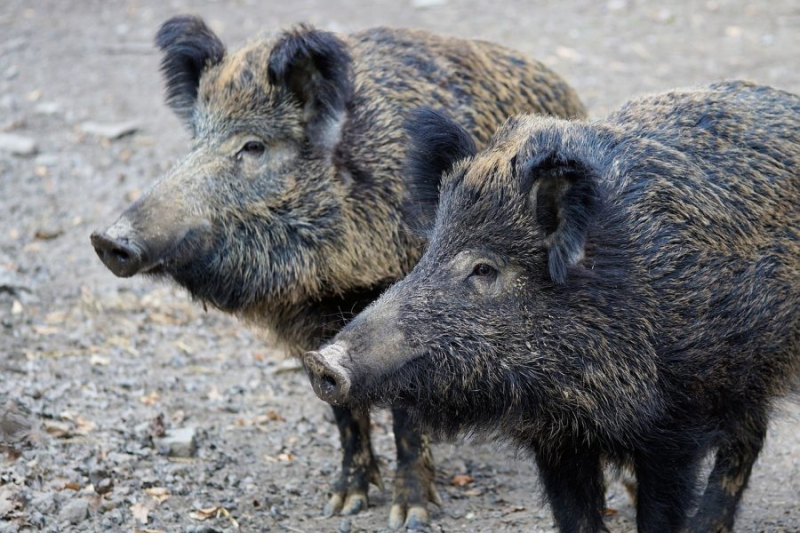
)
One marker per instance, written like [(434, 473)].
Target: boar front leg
[(666, 476), (733, 464), (359, 465), (414, 485), (573, 482)]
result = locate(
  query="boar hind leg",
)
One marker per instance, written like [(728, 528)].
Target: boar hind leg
[(728, 479), (359, 465), (573, 482), (666, 487), (413, 483)]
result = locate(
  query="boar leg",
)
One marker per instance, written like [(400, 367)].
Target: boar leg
[(359, 465), (666, 482), (413, 483), (728, 479), (573, 483)]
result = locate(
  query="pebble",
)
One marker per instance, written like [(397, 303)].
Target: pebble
[(181, 442), (44, 503), (345, 525), (75, 511), (110, 130), (17, 144), (47, 108)]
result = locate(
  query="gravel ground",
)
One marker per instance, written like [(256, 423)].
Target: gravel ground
[(106, 371)]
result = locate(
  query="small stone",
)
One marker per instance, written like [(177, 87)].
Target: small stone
[(427, 3), (45, 503), (179, 442), (74, 512), (345, 525), (47, 108), (110, 130), (17, 144), (275, 512)]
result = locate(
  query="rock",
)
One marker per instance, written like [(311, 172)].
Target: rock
[(17, 144), (12, 283), (345, 525), (47, 108), (179, 442), (74, 512), (110, 130), (15, 426), (45, 503), (8, 527), (427, 3)]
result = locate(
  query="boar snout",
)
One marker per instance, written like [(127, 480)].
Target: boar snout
[(121, 255), (331, 380)]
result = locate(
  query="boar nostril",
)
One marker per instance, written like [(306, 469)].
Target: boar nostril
[(121, 255), (329, 382)]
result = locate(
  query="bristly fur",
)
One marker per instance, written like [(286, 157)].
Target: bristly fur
[(667, 332), (189, 47), (436, 143)]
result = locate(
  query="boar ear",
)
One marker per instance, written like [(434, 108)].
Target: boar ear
[(189, 47), (314, 66), (565, 197), (436, 143)]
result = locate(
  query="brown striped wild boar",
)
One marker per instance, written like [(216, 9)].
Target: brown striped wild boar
[(287, 209), (622, 291)]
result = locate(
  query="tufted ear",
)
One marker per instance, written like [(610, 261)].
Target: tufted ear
[(189, 47), (565, 198), (436, 143), (315, 67)]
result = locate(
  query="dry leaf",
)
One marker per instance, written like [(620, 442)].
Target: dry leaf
[(160, 494), (151, 398), (461, 480), (72, 486), (60, 430), (140, 510), (184, 347), (214, 394), (45, 330), (213, 512), (208, 512), (286, 457), (609, 511), (99, 360)]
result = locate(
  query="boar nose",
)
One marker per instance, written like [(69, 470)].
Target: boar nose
[(331, 381), (122, 256)]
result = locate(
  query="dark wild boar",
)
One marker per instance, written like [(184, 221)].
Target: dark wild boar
[(287, 209), (621, 291)]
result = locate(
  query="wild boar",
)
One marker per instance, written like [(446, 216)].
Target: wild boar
[(622, 291), (287, 209)]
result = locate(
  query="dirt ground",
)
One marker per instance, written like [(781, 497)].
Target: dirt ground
[(101, 366)]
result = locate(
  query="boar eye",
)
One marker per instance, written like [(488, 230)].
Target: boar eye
[(483, 270), (253, 148)]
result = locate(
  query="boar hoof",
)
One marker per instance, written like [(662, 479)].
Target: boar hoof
[(355, 503), (412, 517), (351, 503)]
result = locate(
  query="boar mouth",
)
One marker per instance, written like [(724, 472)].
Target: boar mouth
[(402, 385)]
